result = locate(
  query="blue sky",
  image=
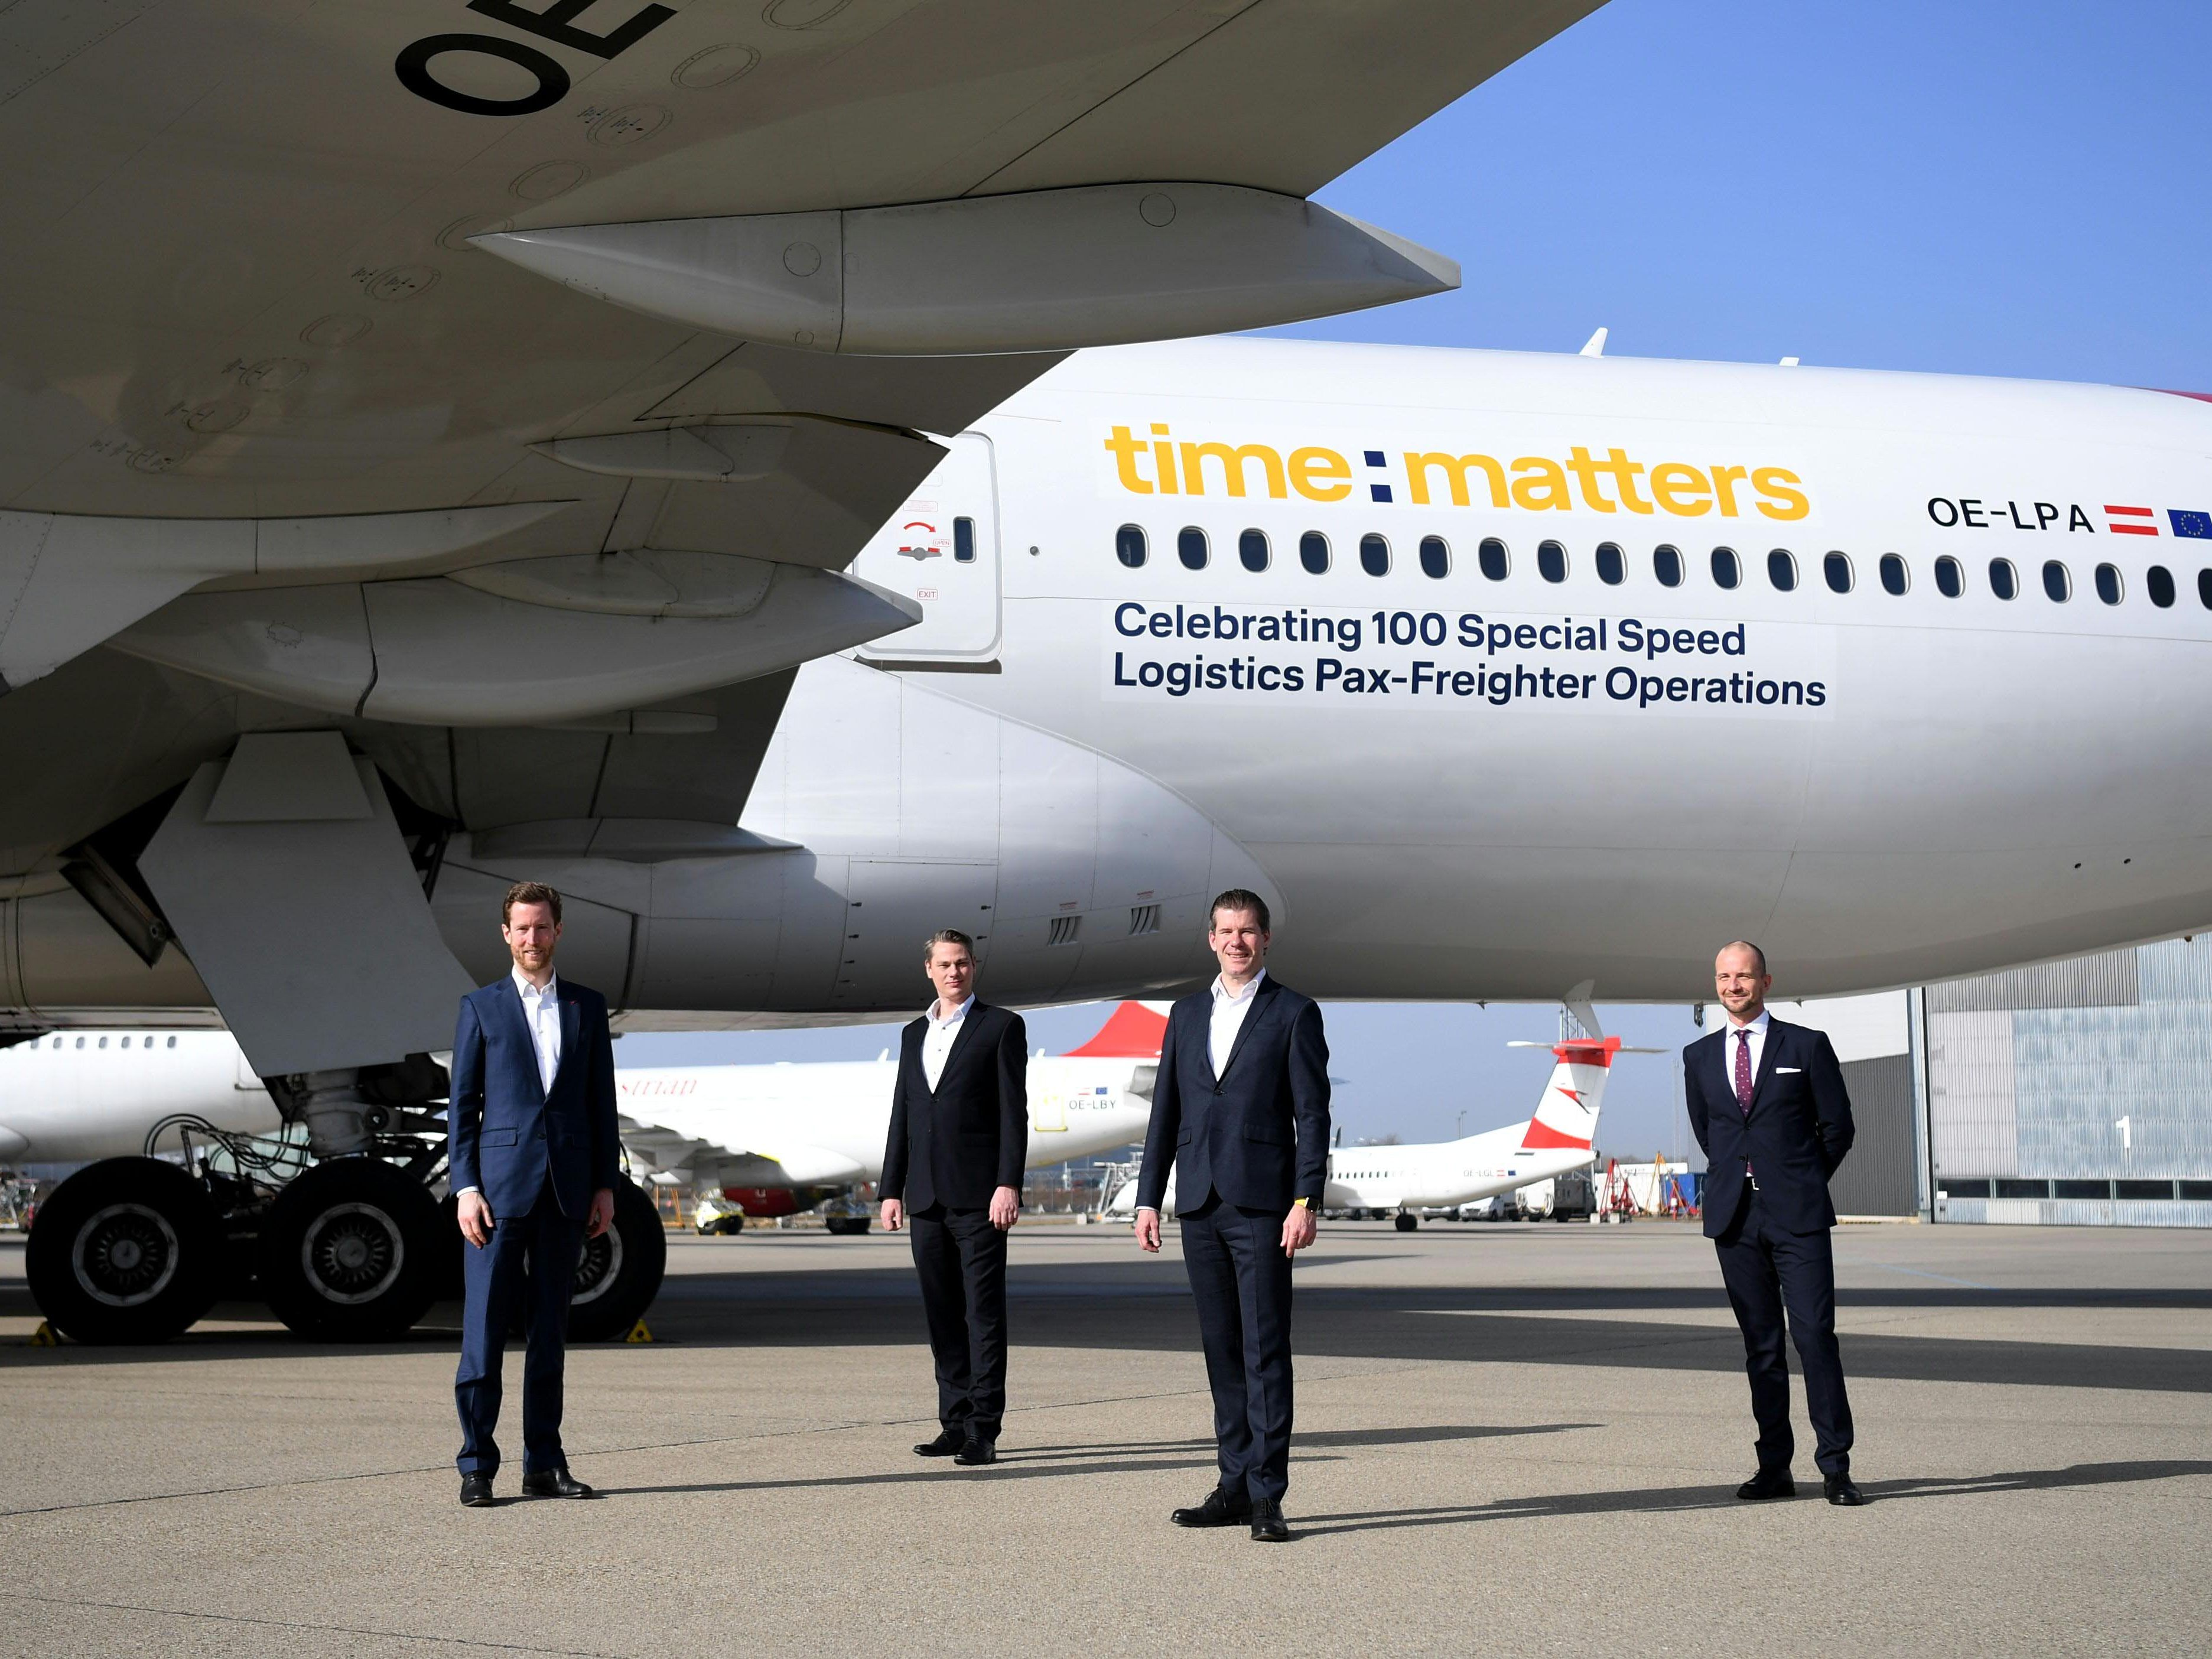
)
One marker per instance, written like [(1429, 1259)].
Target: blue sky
[(1978, 189)]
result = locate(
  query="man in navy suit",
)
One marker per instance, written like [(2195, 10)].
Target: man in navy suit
[(532, 1150), (1767, 1104), (1240, 1112), (953, 1167)]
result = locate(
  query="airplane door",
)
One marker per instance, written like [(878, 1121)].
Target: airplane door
[(941, 548)]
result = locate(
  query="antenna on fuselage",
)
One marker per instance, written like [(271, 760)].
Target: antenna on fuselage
[(1595, 346)]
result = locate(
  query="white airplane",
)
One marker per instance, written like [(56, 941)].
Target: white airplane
[(780, 492), (770, 1140), (1557, 1138), (77, 1096), (775, 1137)]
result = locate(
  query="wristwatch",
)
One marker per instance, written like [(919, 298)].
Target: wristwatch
[(1301, 1204)]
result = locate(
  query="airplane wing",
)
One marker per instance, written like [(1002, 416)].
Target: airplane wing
[(511, 383)]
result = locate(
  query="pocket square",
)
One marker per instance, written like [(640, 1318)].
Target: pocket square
[(1787, 1071)]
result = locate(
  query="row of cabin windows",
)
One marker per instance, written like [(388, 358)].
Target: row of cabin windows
[(147, 1043), (1668, 566)]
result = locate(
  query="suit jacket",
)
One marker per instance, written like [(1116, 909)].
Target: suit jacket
[(505, 1134), (954, 1144), (1798, 1131), (1258, 1133)]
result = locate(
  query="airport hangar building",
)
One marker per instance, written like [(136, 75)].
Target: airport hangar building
[(2078, 1093)]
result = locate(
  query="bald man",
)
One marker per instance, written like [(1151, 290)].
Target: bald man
[(1767, 1104)]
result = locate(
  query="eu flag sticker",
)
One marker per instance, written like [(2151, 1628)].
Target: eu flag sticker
[(2199, 525)]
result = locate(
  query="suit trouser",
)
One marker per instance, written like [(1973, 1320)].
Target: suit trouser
[(1767, 1269), (960, 1259), (528, 1267), (1241, 1280)]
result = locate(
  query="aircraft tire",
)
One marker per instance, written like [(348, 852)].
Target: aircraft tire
[(1407, 1223), (350, 1252), (846, 1226), (620, 1271), (128, 1251)]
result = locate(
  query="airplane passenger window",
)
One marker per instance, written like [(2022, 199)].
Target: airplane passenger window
[(963, 541), (80, 1043), (1612, 569), (57, 1041), (1950, 579), (126, 1042), (1667, 565), (1728, 569), (1837, 567), (1190, 547), (1491, 556), (1782, 569), (1435, 557), (1129, 546), (2108, 583), (1375, 556), (2057, 581), (1893, 575), (1313, 552), (103, 1042), (2004, 581), (1552, 561), (173, 1042), (1252, 549), (2158, 583)]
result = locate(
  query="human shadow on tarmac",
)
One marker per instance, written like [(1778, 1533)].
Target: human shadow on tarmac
[(1136, 1457), (1667, 1500)]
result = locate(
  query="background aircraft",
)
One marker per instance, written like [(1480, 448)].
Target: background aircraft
[(1404, 1179), (350, 1248)]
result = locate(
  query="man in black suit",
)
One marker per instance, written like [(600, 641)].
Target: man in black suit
[(1240, 1112), (1767, 1104), (959, 1141), (531, 1144)]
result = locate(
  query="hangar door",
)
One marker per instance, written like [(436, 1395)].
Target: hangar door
[(941, 550)]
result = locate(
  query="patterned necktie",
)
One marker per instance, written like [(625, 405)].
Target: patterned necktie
[(1743, 1069)]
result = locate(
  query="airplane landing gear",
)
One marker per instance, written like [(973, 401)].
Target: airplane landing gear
[(1407, 1221), (620, 1271), (128, 1251), (350, 1251)]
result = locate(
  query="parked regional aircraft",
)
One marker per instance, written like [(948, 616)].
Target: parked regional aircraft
[(782, 1136), (492, 442), (768, 1140), (1557, 1138)]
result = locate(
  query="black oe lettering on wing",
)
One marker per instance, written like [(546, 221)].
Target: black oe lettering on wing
[(552, 24)]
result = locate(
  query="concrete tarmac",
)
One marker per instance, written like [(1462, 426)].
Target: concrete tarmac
[(1518, 1438)]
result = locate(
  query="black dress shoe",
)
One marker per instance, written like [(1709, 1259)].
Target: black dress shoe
[(975, 1451), (555, 1483), (943, 1446), (475, 1492), (1768, 1483), (1219, 1510), (1843, 1492), (1268, 1526)]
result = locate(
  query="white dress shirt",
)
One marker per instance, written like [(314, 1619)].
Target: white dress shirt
[(541, 1012), (1756, 1030), (937, 1042), (1230, 1008)]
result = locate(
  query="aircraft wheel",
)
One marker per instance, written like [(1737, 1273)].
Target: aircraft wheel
[(619, 1273), (129, 1250), (1407, 1223), (846, 1226), (350, 1251)]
